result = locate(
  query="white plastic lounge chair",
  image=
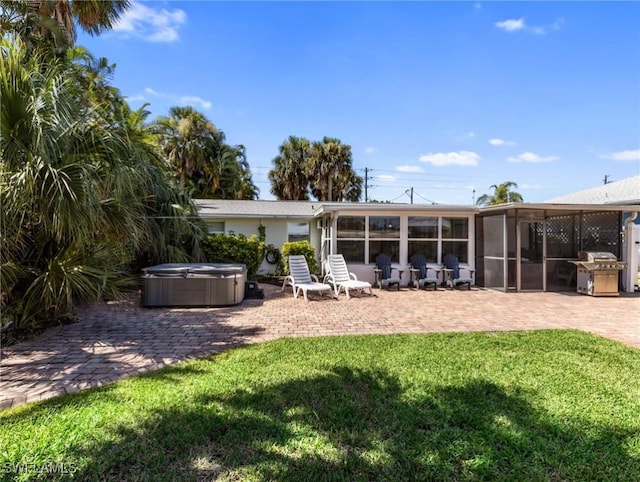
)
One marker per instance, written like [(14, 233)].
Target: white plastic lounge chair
[(301, 280), (340, 277)]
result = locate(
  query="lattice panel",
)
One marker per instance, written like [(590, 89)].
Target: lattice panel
[(563, 236), (601, 232)]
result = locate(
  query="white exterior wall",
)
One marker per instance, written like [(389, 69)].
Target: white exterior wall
[(275, 233)]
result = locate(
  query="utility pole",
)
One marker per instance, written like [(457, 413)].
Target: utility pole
[(410, 192), (366, 184), (606, 178)]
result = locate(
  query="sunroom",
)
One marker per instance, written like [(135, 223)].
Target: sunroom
[(361, 231)]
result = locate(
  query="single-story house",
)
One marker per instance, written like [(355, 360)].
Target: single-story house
[(511, 247)]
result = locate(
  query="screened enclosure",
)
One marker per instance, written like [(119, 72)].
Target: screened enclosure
[(531, 249)]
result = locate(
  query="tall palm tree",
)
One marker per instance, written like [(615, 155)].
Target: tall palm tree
[(55, 20), (188, 139), (289, 176), (235, 175), (94, 77), (226, 174), (331, 174), (502, 194)]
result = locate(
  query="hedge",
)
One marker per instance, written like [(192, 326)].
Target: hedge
[(235, 248), (299, 247)]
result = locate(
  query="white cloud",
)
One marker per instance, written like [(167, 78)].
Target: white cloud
[(532, 157), (409, 169), (460, 136), (386, 177), (151, 23), (192, 100), (501, 142), (632, 155), (557, 25), (459, 158), (188, 99), (511, 25), (370, 150), (135, 98)]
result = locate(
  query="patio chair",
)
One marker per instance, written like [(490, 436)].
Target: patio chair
[(419, 266), (454, 274), (301, 279), (384, 271), (340, 277)]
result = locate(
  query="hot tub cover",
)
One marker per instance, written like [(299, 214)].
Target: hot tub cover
[(184, 269)]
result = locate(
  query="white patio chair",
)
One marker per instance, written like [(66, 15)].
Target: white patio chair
[(340, 277), (301, 279)]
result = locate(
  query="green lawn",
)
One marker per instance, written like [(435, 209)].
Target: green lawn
[(546, 405)]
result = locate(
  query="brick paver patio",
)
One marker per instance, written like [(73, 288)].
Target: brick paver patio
[(116, 340)]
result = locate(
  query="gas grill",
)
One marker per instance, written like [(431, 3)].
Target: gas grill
[(598, 273)]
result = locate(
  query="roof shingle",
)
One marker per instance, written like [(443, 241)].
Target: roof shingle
[(625, 191)]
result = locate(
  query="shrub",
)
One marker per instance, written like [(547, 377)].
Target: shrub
[(299, 247), (235, 248)]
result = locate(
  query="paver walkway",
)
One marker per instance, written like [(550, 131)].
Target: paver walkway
[(116, 340)]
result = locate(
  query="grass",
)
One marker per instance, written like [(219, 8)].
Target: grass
[(547, 405)]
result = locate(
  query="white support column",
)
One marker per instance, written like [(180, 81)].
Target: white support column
[(632, 243)]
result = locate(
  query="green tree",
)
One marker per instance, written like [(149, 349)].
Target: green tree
[(330, 171), (53, 22), (323, 169), (188, 140), (502, 194), (226, 173), (83, 194), (289, 176), (206, 165)]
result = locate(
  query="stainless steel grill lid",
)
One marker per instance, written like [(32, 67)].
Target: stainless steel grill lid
[(596, 256), (598, 260)]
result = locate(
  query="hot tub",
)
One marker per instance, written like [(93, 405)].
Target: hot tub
[(194, 284)]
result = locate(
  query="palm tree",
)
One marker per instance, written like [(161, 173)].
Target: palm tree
[(235, 176), (331, 174), (188, 139), (289, 176), (226, 174), (83, 194), (55, 20), (94, 76), (502, 194)]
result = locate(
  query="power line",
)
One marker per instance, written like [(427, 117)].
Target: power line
[(421, 196)]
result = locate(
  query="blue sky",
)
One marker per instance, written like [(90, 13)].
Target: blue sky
[(442, 97)]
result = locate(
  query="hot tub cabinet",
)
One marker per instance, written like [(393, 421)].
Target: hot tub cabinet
[(194, 284)]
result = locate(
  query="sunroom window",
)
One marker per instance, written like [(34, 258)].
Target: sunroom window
[(351, 235), (455, 238), (423, 237), (384, 237)]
